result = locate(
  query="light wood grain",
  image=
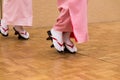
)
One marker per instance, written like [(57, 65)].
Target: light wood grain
[(99, 59)]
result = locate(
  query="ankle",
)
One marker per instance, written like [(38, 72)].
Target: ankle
[(19, 28), (66, 37), (68, 41)]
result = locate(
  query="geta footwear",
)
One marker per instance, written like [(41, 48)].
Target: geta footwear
[(57, 40), (4, 28), (24, 35), (69, 46)]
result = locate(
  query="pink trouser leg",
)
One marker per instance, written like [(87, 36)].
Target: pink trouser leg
[(63, 23), (17, 12)]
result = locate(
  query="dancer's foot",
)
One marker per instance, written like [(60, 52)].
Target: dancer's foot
[(4, 28), (22, 34), (57, 39), (69, 46)]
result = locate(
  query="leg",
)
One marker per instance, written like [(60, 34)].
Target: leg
[(64, 25), (57, 30), (17, 12)]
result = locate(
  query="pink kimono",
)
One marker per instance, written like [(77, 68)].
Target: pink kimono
[(17, 12), (73, 18)]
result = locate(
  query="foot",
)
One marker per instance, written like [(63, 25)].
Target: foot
[(22, 34), (57, 40), (69, 46), (4, 28)]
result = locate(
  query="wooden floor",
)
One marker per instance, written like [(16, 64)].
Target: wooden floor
[(99, 59)]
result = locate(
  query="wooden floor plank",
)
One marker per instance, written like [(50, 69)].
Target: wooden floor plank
[(98, 59)]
